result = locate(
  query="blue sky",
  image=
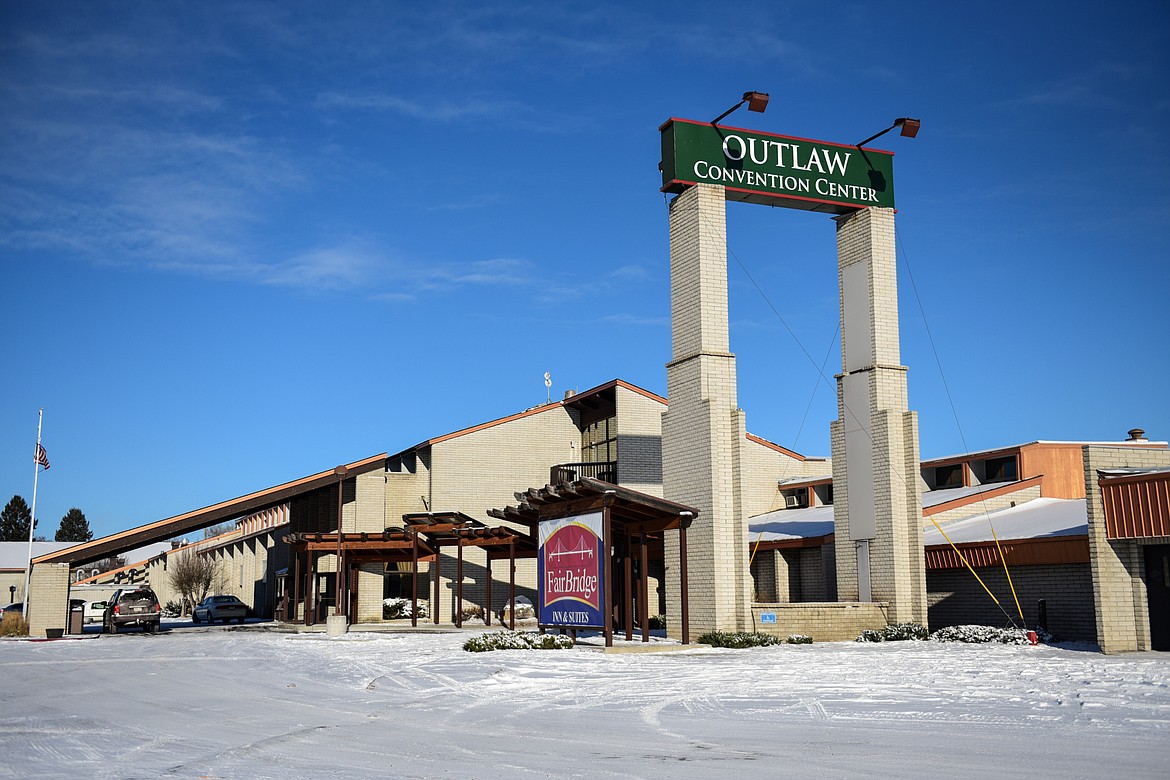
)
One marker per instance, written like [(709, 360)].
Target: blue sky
[(241, 243)]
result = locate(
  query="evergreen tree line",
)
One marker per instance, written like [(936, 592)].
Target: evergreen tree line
[(15, 518)]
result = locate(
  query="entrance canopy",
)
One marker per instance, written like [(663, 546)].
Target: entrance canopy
[(633, 511), (633, 530)]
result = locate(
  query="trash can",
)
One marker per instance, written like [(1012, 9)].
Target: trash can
[(77, 620)]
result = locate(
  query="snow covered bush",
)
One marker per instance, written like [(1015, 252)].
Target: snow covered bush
[(172, 609), (896, 632), (657, 621), (516, 640), (981, 635), (799, 639), (394, 609), (738, 639), (523, 608)]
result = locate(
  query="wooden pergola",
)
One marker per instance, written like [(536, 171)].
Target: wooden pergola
[(455, 529), (634, 524), (420, 541)]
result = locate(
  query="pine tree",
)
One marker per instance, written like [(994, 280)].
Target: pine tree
[(74, 527), (14, 521)]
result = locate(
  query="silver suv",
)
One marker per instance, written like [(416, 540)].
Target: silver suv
[(133, 607)]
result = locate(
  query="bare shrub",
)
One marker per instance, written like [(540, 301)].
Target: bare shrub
[(192, 575), (13, 625)]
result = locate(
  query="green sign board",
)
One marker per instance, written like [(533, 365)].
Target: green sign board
[(776, 170)]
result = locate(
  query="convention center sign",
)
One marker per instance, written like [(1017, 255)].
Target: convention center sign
[(571, 567), (775, 170)]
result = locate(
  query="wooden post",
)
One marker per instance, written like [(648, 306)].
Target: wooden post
[(512, 584), (311, 590), (458, 581), (628, 589), (414, 579), (296, 589), (607, 554), (682, 573), (351, 591), (438, 576), (487, 610), (643, 588)]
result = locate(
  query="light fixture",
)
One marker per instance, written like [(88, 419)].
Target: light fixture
[(909, 129), (757, 101)]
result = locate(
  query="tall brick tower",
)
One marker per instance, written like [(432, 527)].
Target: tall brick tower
[(703, 431), (877, 494)]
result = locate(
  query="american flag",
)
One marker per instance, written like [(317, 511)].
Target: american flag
[(42, 458)]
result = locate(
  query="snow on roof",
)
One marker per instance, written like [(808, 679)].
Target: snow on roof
[(1036, 519), (943, 495), (1132, 471), (145, 553), (784, 524), (14, 555), (804, 480)]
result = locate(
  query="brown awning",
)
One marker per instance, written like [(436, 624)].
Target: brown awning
[(1137, 503), (1019, 552)]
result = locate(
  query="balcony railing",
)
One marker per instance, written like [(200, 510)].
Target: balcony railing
[(606, 471)]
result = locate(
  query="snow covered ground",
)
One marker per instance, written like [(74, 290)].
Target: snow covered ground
[(247, 704)]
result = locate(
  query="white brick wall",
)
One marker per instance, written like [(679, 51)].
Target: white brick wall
[(865, 239), (1118, 567), (703, 430)]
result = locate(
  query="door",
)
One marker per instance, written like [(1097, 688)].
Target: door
[(1158, 594)]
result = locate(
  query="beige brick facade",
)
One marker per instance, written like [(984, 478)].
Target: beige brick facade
[(1118, 566), (826, 622), (48, 598), (639, 432), (703, 431), (877, 488)]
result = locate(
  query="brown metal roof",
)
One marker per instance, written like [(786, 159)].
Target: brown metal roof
[(162, 530), (1137, 503), (1019, 552)]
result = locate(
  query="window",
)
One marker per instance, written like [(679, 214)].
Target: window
[(599, 441), (948, 476), (1002, 469), (825, 494)]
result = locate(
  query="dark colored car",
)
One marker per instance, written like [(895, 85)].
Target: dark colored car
[(132, 607), (223, 608)]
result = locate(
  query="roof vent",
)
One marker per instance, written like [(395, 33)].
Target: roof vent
[(569, 394), (1136, 434)]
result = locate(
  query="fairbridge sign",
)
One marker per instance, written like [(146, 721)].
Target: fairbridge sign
[(571, 567)]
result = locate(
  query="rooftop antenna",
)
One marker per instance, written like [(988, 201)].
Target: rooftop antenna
[(548, 387)]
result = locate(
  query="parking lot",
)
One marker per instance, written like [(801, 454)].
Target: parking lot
[(226, 701)]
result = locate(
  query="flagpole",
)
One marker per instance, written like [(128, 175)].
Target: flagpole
[(32, 523)]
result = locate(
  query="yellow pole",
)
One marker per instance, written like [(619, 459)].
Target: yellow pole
[(1003, 560), (965, 563), (755, 549)]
